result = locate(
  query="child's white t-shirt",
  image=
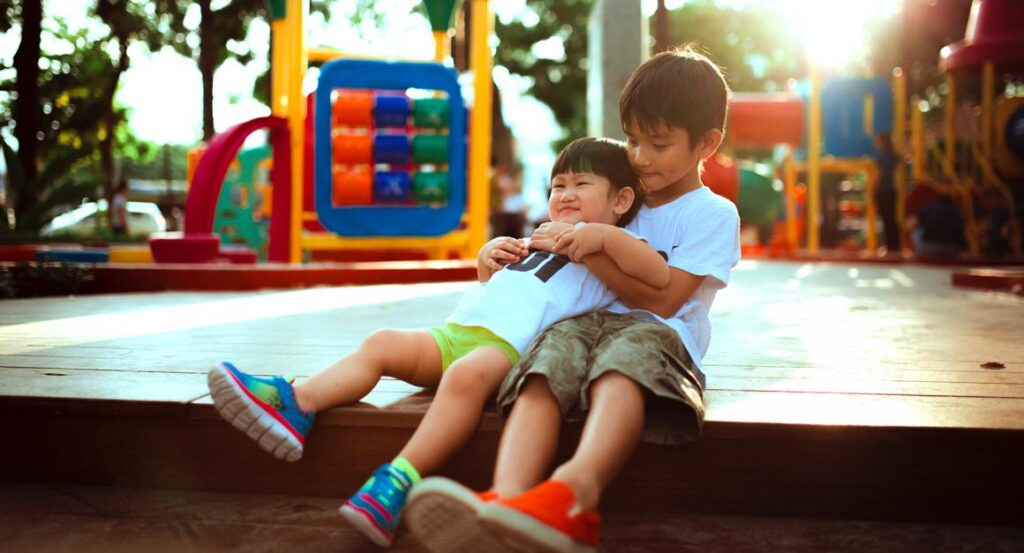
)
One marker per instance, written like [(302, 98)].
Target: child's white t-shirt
[(523, 299), (697, 232)]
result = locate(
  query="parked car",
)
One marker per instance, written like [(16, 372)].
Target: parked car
[(144, 218)]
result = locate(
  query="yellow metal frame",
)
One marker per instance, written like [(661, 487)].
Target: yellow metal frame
[(848, 166), (291, 60), (899, 145), (816, 164)]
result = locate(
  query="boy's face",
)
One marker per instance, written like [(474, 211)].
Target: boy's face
[(586, 197), (663, 158)]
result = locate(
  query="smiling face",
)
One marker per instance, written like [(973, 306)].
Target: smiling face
[(665, 161), (586, 197)]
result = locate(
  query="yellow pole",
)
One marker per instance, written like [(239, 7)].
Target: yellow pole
[(296, 109), (442, 45), (899, 144), (917, 139), (950, 114), (814, 163), (790, 192), (278, 66), (480, 125), (988, 92)]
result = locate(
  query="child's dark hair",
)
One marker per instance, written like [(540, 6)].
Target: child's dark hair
[(607, 158), (681, 87)]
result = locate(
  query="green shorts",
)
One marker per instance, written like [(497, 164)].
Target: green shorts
[(456, 341), (573, 353)]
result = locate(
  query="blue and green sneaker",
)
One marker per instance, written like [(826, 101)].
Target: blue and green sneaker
[(374, 510), (262, 407)]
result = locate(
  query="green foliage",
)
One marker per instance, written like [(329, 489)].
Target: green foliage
[(752, 45), (70, 91), (156, 162), (559, 83), (26, 280)]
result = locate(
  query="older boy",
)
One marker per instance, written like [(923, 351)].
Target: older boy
[(632, 371)]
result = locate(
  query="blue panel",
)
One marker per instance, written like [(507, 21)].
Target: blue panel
[(392, 186), (391, 111), (842, 112), (389, 220), (391, 148), (73, 256)]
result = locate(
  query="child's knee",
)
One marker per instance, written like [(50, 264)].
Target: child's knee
[(467, 380), (380, 341), (536, 387), (612, 383)]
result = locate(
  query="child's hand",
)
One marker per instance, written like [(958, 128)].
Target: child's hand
[(547, 234), (581, 242), (502, 251)]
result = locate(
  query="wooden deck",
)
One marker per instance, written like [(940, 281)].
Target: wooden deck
[(836, 390)]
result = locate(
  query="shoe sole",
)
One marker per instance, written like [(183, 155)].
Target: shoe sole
[(360, 521), (442, 516), (523, 529), (240, 408)]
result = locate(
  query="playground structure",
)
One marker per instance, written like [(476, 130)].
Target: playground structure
[(343, 197), (380, 157), (830, 128)]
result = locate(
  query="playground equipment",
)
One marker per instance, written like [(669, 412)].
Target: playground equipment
[(833, 125), (972, 166), (378, 158)]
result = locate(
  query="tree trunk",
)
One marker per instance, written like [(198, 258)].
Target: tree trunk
[(110, 123), (207, 65), (661, 30), (26, 110)]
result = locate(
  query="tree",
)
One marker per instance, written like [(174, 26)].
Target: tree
[(751, 45), (68, 121), (220, 33), (26, 99), (128, 21), (559, 83)]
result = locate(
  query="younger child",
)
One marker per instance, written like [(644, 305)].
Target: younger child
[(525, 292), (632, 372)]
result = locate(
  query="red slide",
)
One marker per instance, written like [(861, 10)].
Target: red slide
[(201, 204)]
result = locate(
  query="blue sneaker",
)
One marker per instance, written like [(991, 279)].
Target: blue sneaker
[(262, 407), (375, 508)]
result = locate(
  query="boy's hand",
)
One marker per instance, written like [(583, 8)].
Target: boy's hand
[(581, 241), (547, 234), (502, 251)]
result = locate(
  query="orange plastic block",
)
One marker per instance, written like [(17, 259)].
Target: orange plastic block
[(352, 187), (352, 148), (353, 108)]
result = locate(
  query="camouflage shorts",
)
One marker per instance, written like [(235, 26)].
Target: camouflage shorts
[(573, 353)]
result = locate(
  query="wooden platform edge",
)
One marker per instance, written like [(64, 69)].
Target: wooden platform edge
[(124, 277), (1008, 280), (898, 474)]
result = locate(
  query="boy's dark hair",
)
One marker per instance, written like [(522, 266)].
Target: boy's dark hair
[(681, 87), (607, 158)]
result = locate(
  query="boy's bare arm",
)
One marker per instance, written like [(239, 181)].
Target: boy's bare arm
[(633, 256), (637, 294)]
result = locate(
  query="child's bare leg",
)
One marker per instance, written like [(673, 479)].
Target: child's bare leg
[(455, 412), (529, 440), (409, 355), (613, 429)]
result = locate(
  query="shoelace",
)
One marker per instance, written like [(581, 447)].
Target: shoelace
[(387, 483)]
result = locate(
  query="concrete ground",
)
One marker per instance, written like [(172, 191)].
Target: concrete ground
[(84, 519)]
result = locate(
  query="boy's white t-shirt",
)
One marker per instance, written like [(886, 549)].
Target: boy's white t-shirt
[(697, 232), (523, 299)]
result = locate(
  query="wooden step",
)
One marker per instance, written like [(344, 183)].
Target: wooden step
[(853, 391), (763, 453)]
